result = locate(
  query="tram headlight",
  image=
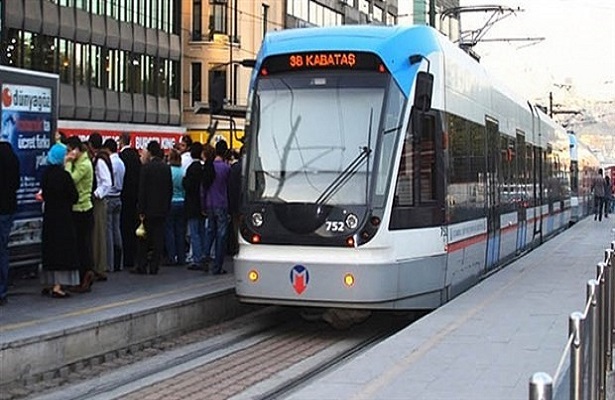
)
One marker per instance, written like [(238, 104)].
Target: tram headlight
[(352, 221), (349, 280), (257, 219), (253, 275)]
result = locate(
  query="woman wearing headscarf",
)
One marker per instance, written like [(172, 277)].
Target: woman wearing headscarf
[(60, 266)]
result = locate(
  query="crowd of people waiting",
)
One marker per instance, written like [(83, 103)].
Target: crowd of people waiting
[(95, 194)]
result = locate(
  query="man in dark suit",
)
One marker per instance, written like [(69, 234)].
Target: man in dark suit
[(155, 194), (129, 220), (9, 184)]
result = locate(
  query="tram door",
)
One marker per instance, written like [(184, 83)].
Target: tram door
[(492, 191), (538, 193), (522, 198)]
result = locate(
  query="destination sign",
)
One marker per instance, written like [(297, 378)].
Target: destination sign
[(349, 60)]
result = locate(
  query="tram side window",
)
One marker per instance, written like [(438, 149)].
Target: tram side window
[(510, 193), (529, 174), (418, 199), (574, 177), (466, 165), (537, 173), (547, 173), (404, 193), (520, 177), (427, 162)]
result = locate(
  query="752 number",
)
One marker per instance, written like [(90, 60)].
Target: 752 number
[(334, 226)]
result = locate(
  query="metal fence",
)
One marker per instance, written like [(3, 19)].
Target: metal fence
[(590, 341)]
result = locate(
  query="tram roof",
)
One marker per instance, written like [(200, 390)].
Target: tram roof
[(384, 41)]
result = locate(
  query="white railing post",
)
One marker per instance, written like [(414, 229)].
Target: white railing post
[(575, 330), (602, 312), (541, 386), (610, 304), (593, 288)]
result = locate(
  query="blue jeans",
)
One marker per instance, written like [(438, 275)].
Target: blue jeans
[(196, 227), (114, 234), (6, 222), (175, 234), (216, 228)]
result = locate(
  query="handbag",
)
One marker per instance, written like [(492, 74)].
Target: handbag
[(140, 232)]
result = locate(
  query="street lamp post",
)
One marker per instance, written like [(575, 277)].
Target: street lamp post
[(216, 101)]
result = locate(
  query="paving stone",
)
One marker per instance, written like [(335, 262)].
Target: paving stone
[(109, 357), (64, 372), (47, 376), (5, 395)]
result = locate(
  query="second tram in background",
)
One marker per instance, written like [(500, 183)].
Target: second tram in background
[(386, 170)]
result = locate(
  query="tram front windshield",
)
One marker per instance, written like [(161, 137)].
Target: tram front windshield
[(313, 136)]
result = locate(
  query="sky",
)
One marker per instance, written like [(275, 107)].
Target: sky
[(578, 47)]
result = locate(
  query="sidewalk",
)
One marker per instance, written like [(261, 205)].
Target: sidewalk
[(27, 306), (487, 343)]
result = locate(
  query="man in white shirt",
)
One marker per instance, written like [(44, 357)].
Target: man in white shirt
[(103, 181), (114, 208), (184, 148)]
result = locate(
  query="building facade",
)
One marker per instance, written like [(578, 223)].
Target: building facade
[(420, 13), (219, 34), (305, 13), (118, 60)]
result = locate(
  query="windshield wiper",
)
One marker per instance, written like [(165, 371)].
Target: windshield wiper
[(349, 171), (285, 153), (344, 176)]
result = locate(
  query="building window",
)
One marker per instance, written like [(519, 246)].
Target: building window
[(364, 6), (377, 14), (39, 52), (138, 72), (125, 10), (95, 76), (65, 55), (152, 87), (265, 18), (81, 63), (174, 76), (163, 78), (122, 72), (83, 5), (197, 23), (217, 20), (197, 71), (235, 82), (391, 19), (217, 86), (112, 69)]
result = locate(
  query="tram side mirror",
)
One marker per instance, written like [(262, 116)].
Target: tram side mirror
[(423, 91)]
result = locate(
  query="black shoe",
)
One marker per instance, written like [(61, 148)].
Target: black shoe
[(100, 277), (137, 271), (195, 267), (153, 271), (3, 301), (60, 295), (221, 272)]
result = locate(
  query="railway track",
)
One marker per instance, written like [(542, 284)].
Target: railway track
[(263, 355)]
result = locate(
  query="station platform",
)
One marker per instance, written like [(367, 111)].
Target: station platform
[(40, 334), (489, 341)]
